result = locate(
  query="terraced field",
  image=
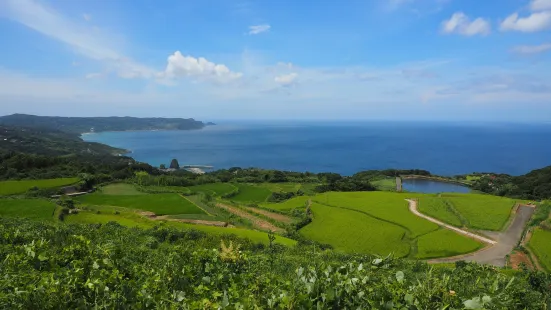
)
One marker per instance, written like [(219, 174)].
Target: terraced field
[(540, 244), (288, 205), (282, 187), (37, 209), (120, 189), (482, 211), (385, 206), (218, 189), (250, 193), (443, 243), (354, 232), (160, 204), (436, 207), (19, 187)]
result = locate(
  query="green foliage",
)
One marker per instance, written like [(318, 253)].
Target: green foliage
[(354, 232), (19, 187), (444, 243), (29, 208), (540, 244), (113, 267), (160, 204), (385, 184), (534, 185), (250, 193), (281, 196), (542, 213)]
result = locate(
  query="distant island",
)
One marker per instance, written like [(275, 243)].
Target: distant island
[(81, 125)]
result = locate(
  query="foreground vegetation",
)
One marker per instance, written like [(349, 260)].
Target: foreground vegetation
[(110, 266)]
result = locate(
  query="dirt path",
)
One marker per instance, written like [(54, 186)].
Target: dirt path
[(257, 222), (413, 209), (506, 242), (275, 216)]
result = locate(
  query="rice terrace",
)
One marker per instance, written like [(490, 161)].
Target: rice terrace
[(443, 226)]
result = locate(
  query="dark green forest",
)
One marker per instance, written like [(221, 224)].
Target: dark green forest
[(85, 124)]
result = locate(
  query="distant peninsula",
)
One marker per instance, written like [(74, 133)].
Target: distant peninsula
[(79, 125)]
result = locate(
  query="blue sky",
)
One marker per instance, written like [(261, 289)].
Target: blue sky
[(478, 60)]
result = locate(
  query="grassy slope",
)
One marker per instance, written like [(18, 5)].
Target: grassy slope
[(282, 187), (351, 231), (160, 204), (482, 211), (443, 243), (249, 193), (387, 184), (540, 244), (37, 209), (18, 187), (388, 206)]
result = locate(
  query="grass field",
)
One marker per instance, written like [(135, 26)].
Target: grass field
[(219, 189), (18, 187), (160, 204), (482, 211), (436, 207), (387, 206), (120, 189), (387, 184), (125, 219), (351, 231), (36, 209), (297, 202), (249, 193), (540, 244), (444, 243)]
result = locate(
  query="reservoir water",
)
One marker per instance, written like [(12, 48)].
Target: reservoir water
[(432, 187), (345, 148)]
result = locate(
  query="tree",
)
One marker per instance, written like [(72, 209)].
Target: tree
[(174, 164), (163, 166)]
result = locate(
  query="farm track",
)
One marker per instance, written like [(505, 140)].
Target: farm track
[(497, 252), (257, 222), (198, 206), (413, 209), (275, 216)]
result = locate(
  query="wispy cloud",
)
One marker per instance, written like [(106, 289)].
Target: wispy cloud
[(257, 29), (87, 17), (461, 24), (200, 68), (286, 79), (531, 49)]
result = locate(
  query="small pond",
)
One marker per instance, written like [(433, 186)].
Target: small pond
[(432, 186)]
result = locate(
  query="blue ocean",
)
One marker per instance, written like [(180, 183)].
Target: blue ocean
[(346, 148)]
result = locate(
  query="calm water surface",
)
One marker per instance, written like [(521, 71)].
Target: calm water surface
[(346, 148), (432, 187)]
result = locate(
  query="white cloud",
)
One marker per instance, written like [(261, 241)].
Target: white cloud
[(286, 79), (535, 22), (540, 5), (87, 17), (532, 49), (257, 29), (461, 24), (188, 66)]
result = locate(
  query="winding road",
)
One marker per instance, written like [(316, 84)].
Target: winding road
[(496, 253)]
